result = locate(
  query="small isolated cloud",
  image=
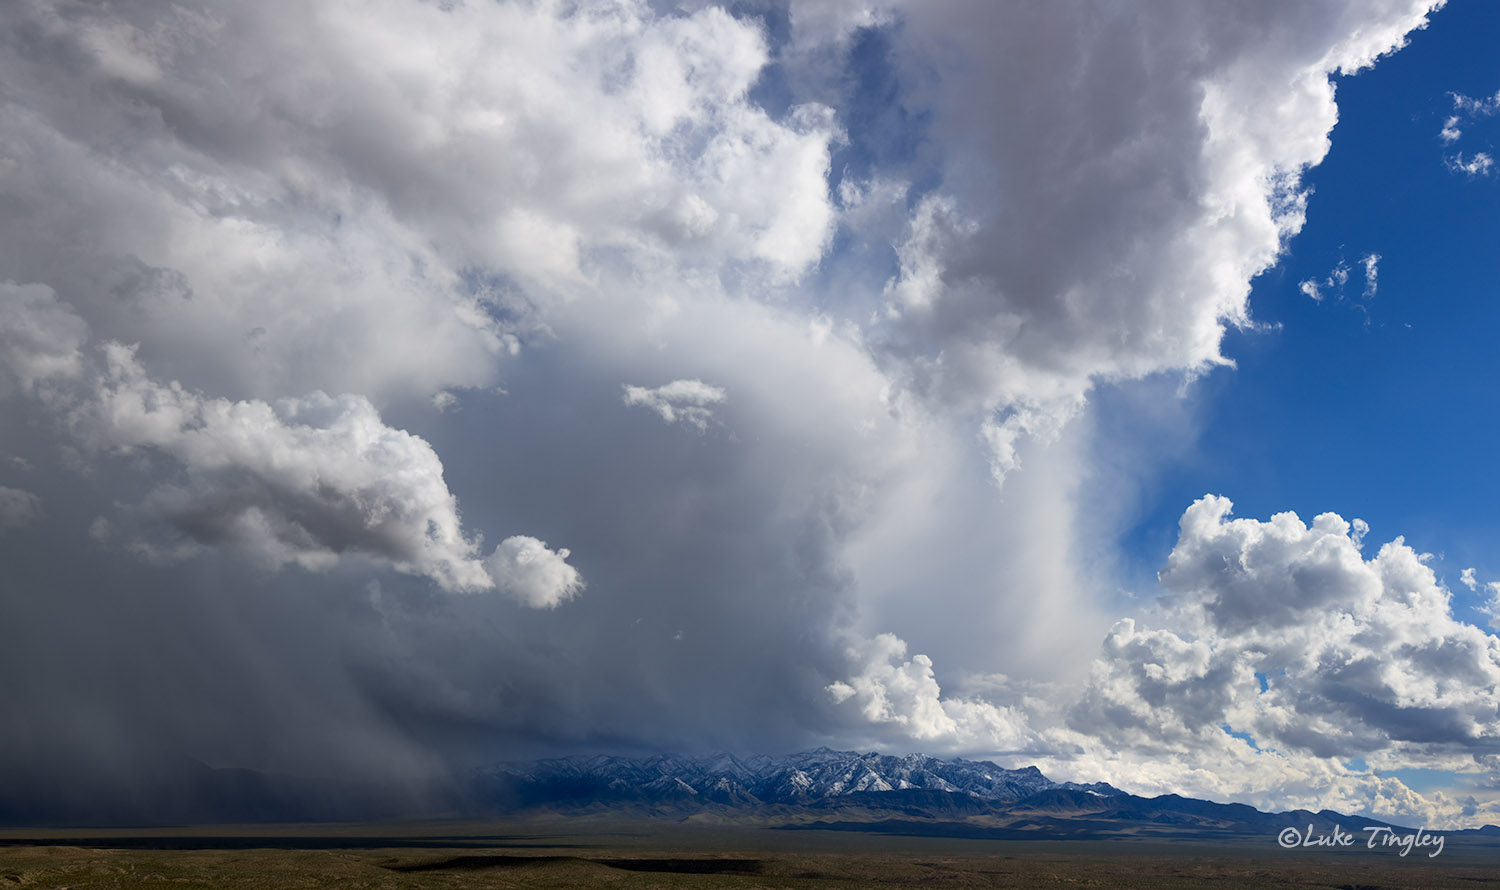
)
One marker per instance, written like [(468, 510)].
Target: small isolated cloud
[(18, 509), (1468, 579), (1476, 107), (687, 402), (537, 576), (1479, 165), (1336, 282), (1371, 262), (1466, 110)]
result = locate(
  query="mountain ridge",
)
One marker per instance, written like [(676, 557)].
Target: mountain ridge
[(818, 774), (913, 794)]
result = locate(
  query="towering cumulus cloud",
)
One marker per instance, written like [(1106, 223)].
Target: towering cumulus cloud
[(1285, 634), (785, 318), (1112, 179)]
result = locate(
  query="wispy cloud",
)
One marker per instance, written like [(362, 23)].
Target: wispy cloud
[(1465, 111), (1479, 164), (1336, 282), (689, 402)]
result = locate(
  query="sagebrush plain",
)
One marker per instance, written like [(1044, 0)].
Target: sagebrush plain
[(646, 853)]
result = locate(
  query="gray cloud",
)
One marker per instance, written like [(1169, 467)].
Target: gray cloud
[(17, 508), (1104, 222), (298, 482), (302, 481), (40, 338)]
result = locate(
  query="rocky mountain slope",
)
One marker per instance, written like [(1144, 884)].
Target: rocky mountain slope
[(914, 794), (811, 776)]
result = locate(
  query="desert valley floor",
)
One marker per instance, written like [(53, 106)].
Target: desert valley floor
[(583, 852)]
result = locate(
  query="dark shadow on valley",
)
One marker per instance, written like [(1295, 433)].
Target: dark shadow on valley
[(288, 842), (655, 866)]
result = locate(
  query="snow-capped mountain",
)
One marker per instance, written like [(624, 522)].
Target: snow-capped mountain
[(832, 790), (817, 775)]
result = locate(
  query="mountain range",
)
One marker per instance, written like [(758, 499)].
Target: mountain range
[(851, 791), (820, 789), (800, 779)]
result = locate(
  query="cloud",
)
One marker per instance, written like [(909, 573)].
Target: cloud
[(1361, 656), (906, 694), (302, 481), (1285, 632), (1371, 263), (401, 202), (351, 206), (1465, 109), (1279, 648), (1492, 606), (1337, 280), (40, 337), (1480, 164), (18, 508), (1482, 107), (1467, 577), (688, 402), (539, 577), (1106, 225)]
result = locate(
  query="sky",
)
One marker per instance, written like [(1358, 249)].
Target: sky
[(394, 387)]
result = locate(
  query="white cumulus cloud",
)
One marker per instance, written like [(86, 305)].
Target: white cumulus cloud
[(906, 694), (533, 573), (1278, 648)]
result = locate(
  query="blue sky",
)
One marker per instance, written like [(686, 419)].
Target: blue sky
[(395, 387), (1381, 407)]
